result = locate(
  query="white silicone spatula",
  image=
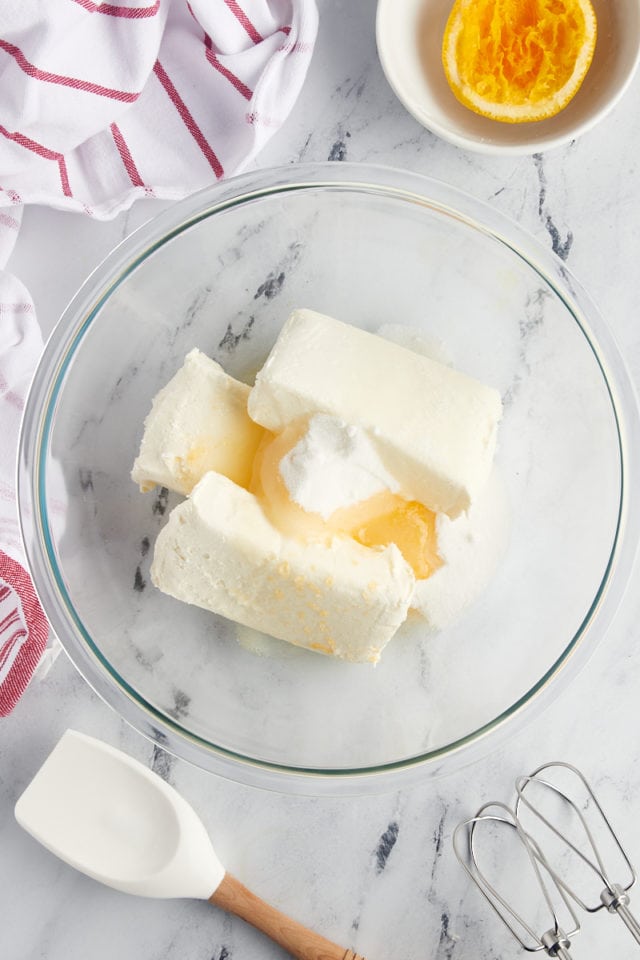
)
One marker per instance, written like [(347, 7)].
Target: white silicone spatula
[(110, 817)]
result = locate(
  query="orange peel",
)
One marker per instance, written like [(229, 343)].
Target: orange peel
[(518, 60)]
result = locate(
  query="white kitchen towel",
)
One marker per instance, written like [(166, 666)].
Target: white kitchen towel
[(23, 627), (101, 103)]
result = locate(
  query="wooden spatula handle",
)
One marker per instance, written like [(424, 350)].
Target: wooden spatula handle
[(297, 940)]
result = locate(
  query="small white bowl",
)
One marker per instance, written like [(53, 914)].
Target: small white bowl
[(409, 36)]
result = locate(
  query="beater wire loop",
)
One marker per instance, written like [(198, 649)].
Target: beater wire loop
[(596, 865), (555, 941), (614, 897)]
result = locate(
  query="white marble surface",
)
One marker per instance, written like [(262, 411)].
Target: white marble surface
[(375, 873)]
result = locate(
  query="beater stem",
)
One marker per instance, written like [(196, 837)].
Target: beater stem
[(632, 924), (562, 954), (616, 900), (556, 943)]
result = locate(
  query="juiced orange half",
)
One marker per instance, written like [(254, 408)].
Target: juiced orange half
[(518, 60)]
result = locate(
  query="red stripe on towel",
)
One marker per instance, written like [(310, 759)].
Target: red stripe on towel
[(188, 120), (84, 85)]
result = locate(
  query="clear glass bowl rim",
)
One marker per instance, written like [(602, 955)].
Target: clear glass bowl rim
[(48, 381)]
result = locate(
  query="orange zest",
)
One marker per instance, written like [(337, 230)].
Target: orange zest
[(518, 60)]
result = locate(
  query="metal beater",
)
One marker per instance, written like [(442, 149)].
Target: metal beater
[(554, 940), (614, 896)]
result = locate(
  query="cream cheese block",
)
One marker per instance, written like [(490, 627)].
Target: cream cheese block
[(198, 422), (434, 427), (220, 552)]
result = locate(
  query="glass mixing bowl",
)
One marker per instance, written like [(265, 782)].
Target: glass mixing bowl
[(221, 271)]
